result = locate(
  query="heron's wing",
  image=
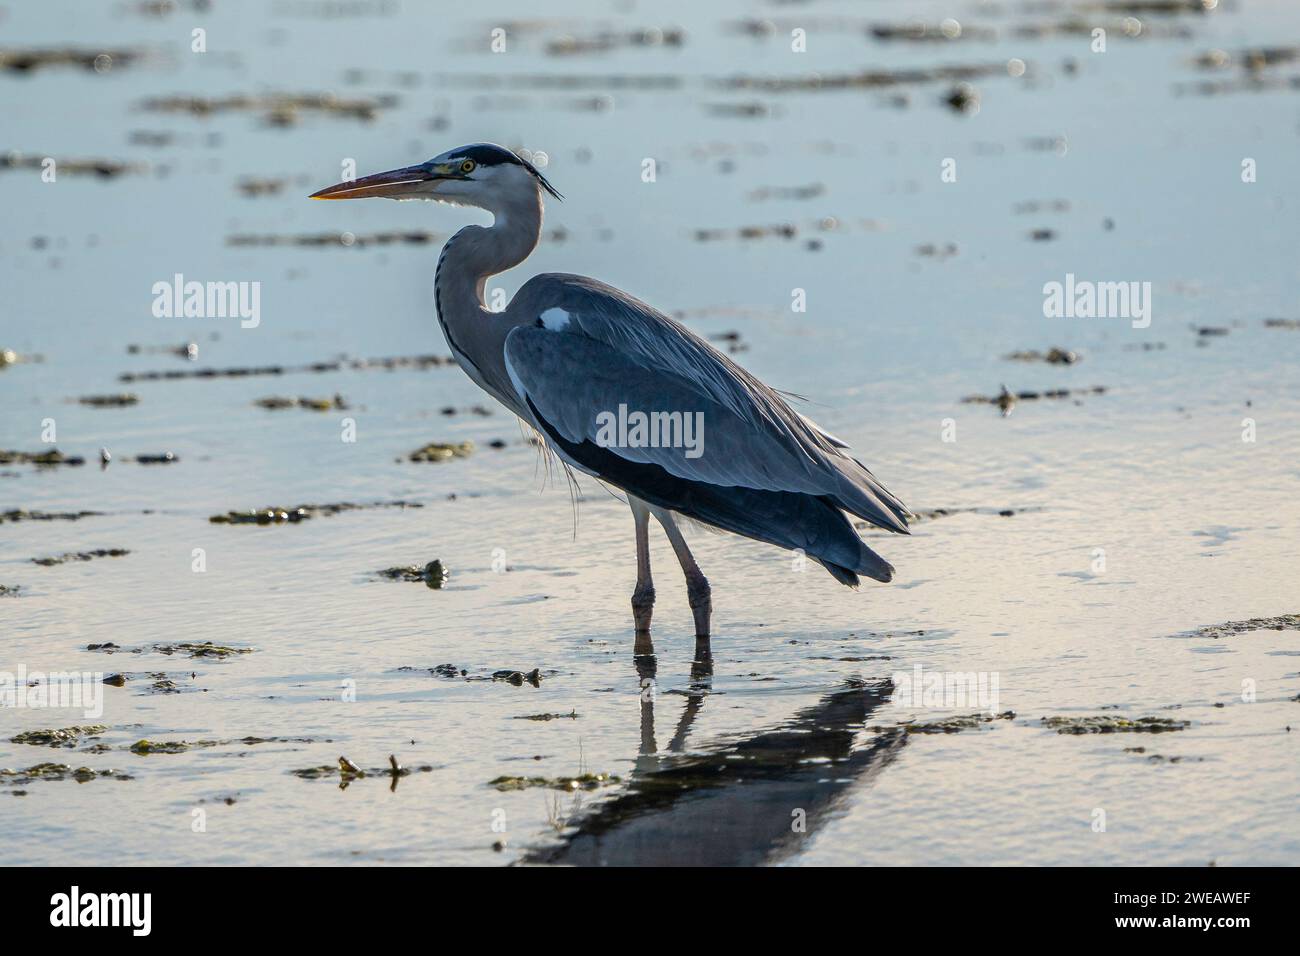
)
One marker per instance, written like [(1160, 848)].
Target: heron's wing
[(593, 348)]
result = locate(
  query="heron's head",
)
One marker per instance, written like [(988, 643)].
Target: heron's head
[(482, 174)]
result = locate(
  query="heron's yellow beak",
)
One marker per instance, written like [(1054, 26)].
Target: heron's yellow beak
[(392, 184)]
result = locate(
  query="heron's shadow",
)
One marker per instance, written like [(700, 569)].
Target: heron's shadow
[(746, 801)]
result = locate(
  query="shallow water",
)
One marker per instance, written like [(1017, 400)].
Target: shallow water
[(1197, 526)]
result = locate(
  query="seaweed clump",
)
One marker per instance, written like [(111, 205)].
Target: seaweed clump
[(432, 575), (440, 451), (60, 737), (586, 781), (1110, 724)]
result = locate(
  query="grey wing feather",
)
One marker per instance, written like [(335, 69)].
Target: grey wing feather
[(787, 451)]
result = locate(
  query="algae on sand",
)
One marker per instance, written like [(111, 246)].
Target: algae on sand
[(953, 725), (204, 649), (586, 781), (144, 747), (58, 771), (441, 451), (433, 575), (1283, 622), (59, 737), (1110, 724)]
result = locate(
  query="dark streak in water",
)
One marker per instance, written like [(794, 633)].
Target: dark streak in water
[(738, 805)]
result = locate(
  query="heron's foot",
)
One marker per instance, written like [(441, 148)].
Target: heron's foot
[(700, 597), (643, 651), (702, 665), (643, 605)]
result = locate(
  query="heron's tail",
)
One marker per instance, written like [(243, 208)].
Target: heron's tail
[(869, 563)]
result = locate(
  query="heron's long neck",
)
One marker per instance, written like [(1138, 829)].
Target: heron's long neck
[(476, 334)]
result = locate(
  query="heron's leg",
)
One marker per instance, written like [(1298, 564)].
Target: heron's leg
[(697, 585), (643, 598)]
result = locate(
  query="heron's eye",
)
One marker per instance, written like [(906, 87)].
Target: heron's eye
[(467, 166)]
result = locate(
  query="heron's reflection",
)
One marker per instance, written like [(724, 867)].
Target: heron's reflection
[(750, 800), (700, 686)]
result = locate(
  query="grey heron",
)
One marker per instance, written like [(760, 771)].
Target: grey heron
[(570, 352)]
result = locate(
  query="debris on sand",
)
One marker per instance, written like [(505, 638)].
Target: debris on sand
[(349, 771), (963, 98), (433, 575), (586, 781), (1006, 399), (517, 678), (58, 771), (571, 715), (321, 240), (782, 230), (146, 747), (267, 516), (254, 741), (864, 79), (810, 191), (442, 670), (204, 649), (18, 514), (10, 357), (1041, 205), (120, 400), (254, 186), (418, 362), (275, 402), (934, 250), (276, 109), (920, 31), (930, 514), (347, 767), (735, 345), (42, 459), (1283, 622), (50, 562), (161, 683), (607, 41), (439, 451), (236, 372), (951, 725), (10, 590), (39, 58), (61, 737), (1110, 724), (103, 168), (190, 350), (1053, 356), (1160, 758), (312, 773)]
